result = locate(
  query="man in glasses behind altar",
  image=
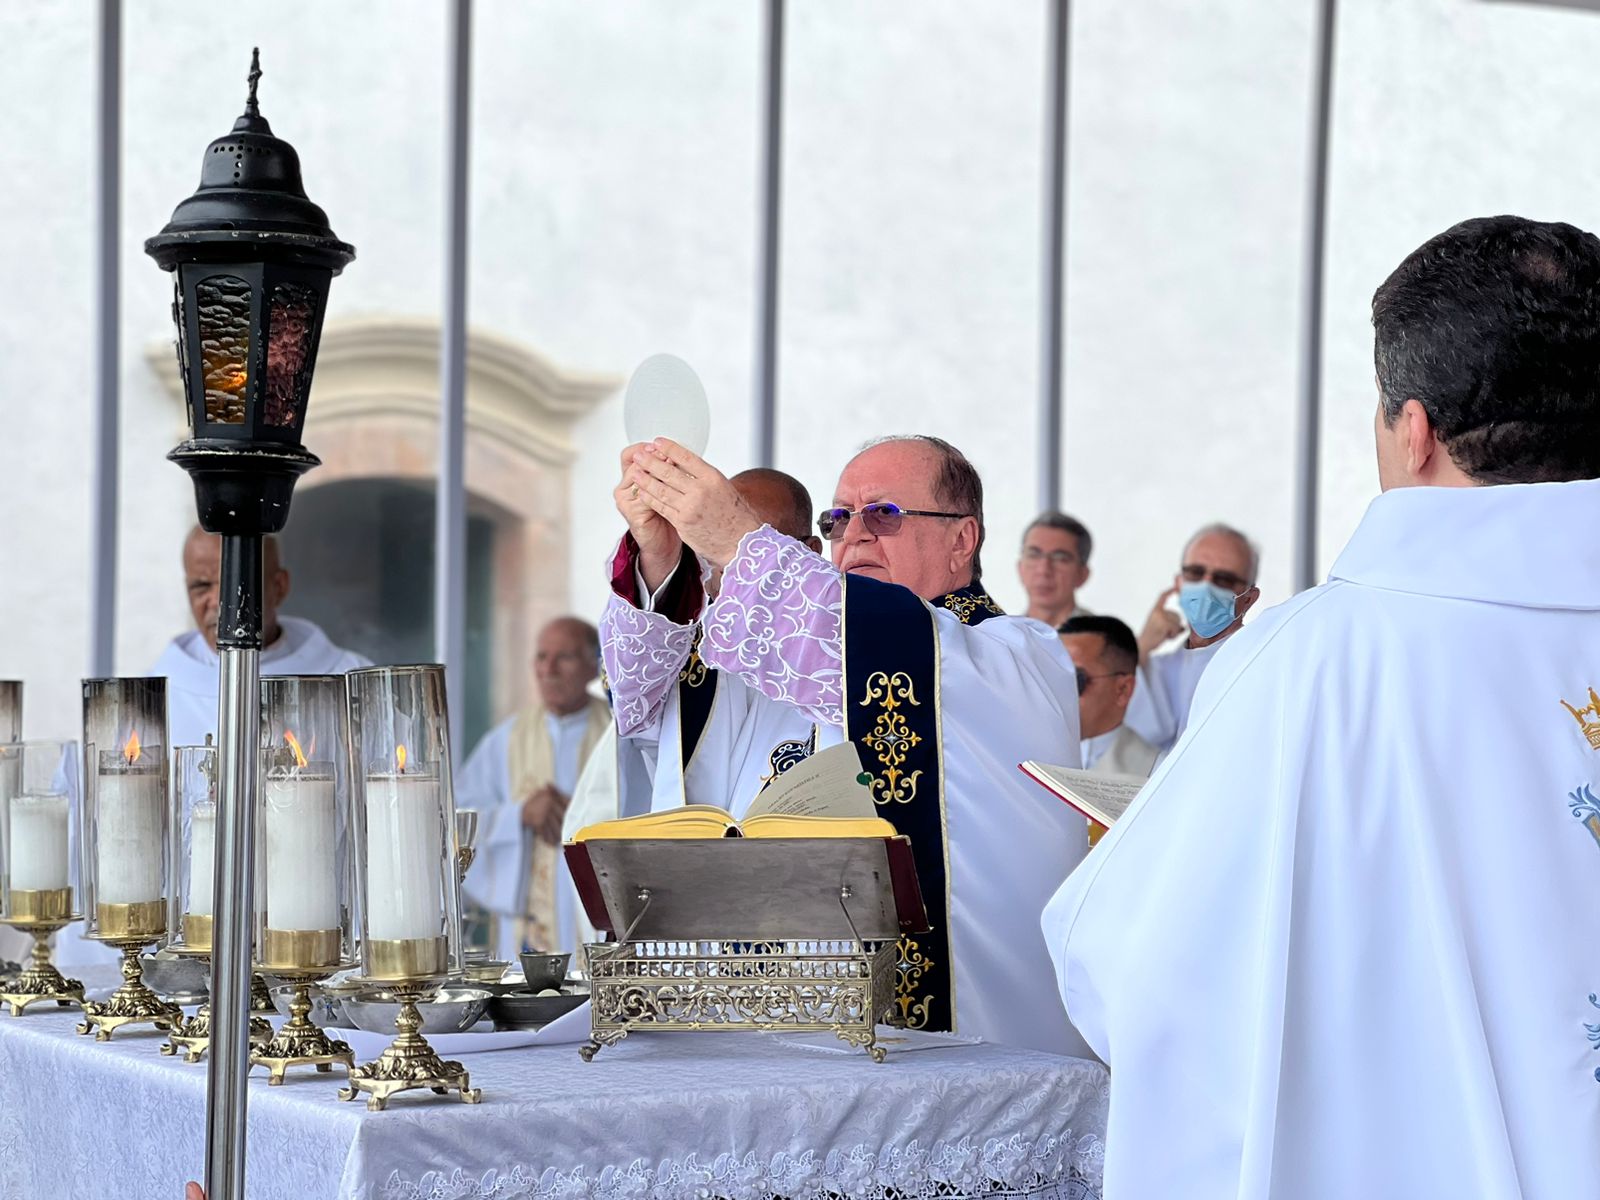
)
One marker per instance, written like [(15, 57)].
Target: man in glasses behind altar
[(896, 647)]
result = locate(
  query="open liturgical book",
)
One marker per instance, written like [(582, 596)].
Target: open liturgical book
[(1101, 798), (824, 795)]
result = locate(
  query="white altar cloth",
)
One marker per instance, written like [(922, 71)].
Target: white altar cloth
[(719, 1116)]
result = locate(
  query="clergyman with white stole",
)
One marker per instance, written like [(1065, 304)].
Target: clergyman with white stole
[(1360, 895), (896, 647)]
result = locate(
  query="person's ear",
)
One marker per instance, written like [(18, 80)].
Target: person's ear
[(1246, 599), (813, 543), (965, 543), (1420, 440), (1083, 575), (1125, 686), (279, 585)]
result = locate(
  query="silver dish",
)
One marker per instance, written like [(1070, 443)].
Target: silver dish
[(178, 978), (523, 1010), (544, 971), (449, 1010)]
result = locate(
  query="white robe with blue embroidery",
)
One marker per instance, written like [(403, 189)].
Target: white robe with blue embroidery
[(1346, 943)]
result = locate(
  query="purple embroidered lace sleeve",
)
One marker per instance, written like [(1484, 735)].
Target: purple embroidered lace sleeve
[(777, 624), (643, 653)]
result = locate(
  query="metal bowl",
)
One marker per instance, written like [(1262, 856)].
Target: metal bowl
[(544, 971), (449, 1010), (178, 978), (486, 972), (522, 1010)]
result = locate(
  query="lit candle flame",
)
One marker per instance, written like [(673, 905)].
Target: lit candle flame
[(130, 748), (294, 744), (400, 759)]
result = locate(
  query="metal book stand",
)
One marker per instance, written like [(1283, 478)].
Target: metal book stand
[(737, 934)]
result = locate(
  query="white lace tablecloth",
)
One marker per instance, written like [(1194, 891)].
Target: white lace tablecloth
[(714, 1116)]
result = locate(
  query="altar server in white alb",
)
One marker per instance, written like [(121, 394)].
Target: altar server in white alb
[(1344, 944), (896, 647), (521, 778), (289, 645)]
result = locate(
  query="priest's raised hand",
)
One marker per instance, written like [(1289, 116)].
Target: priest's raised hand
[(696, 499), (660, 547)]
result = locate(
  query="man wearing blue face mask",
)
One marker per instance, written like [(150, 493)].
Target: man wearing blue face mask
[(1215, 587)]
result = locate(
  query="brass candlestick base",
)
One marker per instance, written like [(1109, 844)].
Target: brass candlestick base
[(260, 997), (409, 1062), (191, 1036), (299, 1043), (131, 1004), (39, 981)]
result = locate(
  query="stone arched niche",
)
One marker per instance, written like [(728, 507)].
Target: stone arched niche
[(374, 416)]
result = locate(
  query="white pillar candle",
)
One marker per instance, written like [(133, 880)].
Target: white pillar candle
[(202, 858), (302, 844), (38, 843), (405, 853), (128, 837)]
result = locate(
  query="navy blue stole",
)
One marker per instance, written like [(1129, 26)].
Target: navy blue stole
[(892, 715), (697, 694)]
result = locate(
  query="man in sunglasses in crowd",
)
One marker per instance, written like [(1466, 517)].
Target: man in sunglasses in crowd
[(1215, 587), (1107, 657), (895, 647)]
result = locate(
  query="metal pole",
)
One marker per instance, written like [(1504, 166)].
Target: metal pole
[(238, 737), (1052, 288), (765, 416), (450, 513), (1308, 427), (107, 296)]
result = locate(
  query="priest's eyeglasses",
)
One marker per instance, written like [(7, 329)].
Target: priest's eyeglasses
[(1085, 679), (881, 518)]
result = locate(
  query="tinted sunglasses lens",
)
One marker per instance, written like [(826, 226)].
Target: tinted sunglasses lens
[(881, 520), (831, 522), (1083, 680)]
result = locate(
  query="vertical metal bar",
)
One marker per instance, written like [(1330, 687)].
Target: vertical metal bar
[(1052, 287), (107, 300), (1308, 423), (765, 400), (450, 513), (228, 1057)]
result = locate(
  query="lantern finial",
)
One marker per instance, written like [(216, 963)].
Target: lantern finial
[(250, 105)]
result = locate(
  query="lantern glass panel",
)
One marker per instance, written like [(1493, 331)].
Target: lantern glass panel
[(125, 853), (38, 828), (193, 853), (292, 322), (223, 306), (404, 811), (303, 860)]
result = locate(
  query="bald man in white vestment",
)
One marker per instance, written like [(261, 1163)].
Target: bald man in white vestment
[(289, 645), (1343, 944), (896, 647)]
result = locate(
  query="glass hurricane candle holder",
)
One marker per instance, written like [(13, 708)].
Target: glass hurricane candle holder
[(406, 866), (192, 834), (125, 869), (304, 872), (39, 808)]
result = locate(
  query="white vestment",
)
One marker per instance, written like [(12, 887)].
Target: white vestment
[(499, 877), (1120, 752), (1343, 944), (190, 666), (1164, 692), (1008, 694)]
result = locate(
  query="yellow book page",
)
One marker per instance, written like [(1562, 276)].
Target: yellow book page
[(690, 821), (780, 825)]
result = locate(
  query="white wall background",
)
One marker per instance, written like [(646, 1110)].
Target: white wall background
[(614, 190)]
